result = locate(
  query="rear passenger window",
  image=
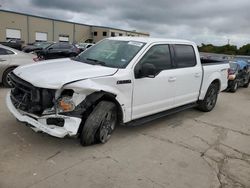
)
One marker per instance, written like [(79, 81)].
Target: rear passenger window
[(5, 51), (159, 56), (184, 56), (65, 46)]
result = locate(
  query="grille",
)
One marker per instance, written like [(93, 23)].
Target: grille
[(29, 98)]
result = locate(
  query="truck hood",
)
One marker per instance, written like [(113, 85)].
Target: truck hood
[(54, 74)]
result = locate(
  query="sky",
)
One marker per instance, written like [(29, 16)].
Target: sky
[(201, 21)]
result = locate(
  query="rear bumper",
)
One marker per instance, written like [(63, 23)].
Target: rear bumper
[(70, 127)]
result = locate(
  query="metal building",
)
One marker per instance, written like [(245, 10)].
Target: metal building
[(30, 28)]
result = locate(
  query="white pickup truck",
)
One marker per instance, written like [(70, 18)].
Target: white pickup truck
[(119, 80)]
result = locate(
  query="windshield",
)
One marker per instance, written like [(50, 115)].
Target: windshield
[(111, 53)]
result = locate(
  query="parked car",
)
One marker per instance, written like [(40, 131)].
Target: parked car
[(238, 75), (84, 46), (58, 50), (14, 43), (36, 46), (124, 80), (9, 60)]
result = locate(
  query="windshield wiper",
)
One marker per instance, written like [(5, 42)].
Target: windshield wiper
[(97, 61)]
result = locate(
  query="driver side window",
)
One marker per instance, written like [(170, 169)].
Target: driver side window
[(157, 56)]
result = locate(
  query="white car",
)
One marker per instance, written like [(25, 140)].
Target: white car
[(9, 60), (119, 80)]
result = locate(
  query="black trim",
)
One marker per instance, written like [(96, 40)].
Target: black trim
[(149, 118), (124, 82)]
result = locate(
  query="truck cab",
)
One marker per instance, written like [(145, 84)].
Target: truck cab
[(124, 80)]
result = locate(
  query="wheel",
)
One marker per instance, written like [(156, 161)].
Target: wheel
[(100, 124), (247, 84), (234, 87), (6, 80), (209, 102)]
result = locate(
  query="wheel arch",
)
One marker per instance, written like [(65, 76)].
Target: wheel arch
[(205, 87), (218, 82), (5, 70), (88, 104)]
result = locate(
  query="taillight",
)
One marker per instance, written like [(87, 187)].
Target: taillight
[(230, 71)]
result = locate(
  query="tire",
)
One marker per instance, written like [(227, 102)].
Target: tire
[(234, 87), (100, 124), (209, 102), (5, 79), (247, 84)]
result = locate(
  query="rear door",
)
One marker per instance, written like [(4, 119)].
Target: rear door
[(188, 74), (54, 51), (66, 49), (153, 94)]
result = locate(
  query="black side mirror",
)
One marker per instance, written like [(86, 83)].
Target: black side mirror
[(50, 48), (148, 70)]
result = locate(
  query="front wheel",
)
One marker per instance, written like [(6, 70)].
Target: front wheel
[(6, 80), (209, 102), (100, 124)]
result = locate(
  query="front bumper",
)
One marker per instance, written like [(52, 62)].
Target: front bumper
[(37, 123)]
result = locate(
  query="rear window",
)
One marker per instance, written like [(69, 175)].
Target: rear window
[(184, 56)]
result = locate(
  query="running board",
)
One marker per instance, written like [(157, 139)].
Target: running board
[(149, 118)]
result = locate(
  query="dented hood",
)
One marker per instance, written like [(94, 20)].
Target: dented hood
[(55, 73)]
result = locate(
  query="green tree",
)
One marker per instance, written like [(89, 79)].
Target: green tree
[(244, 50), (225, 49)]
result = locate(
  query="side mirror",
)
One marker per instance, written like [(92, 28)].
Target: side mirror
[(50, 48), (148, 70)]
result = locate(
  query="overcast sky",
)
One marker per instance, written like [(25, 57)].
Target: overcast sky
[(203, 21)]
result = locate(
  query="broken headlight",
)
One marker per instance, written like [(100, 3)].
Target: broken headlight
[(65, 104)]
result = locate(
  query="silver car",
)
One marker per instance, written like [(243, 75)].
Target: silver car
[(9, 60)]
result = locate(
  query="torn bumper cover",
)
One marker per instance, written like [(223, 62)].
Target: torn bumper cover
[(65, 125)]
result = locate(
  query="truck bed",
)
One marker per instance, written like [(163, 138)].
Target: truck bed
[(212, 61)]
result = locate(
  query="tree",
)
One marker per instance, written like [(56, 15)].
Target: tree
[(244, 50), (226, 49)]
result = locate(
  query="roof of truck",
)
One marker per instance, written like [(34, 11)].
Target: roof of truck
[(151, 40)]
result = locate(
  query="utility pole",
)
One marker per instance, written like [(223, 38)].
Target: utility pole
[(228, 41)]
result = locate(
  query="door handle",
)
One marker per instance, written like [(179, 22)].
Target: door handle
[(2, 60), (197, 75), (172, 79)]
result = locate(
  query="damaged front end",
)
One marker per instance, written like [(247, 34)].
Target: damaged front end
[(41, 109)]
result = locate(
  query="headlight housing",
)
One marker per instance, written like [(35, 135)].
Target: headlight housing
[(65, 104)]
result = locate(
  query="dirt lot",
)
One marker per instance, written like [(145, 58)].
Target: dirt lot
[(189, 149)]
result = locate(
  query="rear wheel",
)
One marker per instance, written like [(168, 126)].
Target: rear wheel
[(100, 124), (6, 80), (234, 86), (209, 102), (247, 84)]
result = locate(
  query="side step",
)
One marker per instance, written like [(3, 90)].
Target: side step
[(149, 118)]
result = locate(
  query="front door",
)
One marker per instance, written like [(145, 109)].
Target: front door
[(153, 93)]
